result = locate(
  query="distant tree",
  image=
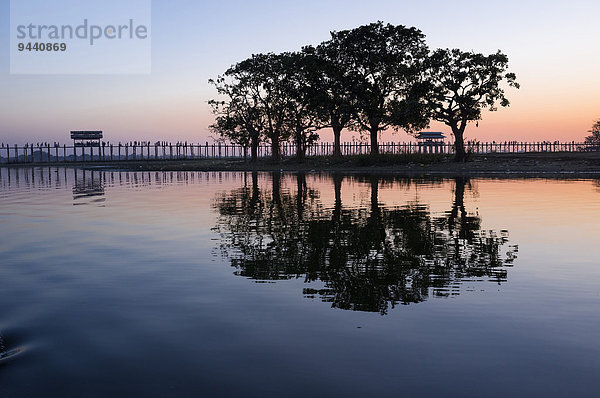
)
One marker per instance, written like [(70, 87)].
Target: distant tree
[(384, 63), (463, 84), (594, 137)]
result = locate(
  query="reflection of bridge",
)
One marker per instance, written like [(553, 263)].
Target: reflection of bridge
[(88, 185)]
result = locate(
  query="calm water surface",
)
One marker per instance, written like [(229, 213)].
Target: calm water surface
[(241, 284)]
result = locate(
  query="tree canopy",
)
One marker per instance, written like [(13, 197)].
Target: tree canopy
[(299, 86), (368, 79), (334, 99), (384, 63), (240, 119), (462, 85)]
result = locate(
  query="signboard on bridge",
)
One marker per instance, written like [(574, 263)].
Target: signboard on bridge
[(86, 135), (86, 138)]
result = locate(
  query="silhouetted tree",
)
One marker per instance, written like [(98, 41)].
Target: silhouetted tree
[(383, 62), (257, 103), (594, 137), (334, 100), (240, 118), (463, 84), (300, 92)]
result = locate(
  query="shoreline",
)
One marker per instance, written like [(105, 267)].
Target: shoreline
[(567, 164)]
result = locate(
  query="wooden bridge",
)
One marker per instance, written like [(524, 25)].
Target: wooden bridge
[(136, 151)]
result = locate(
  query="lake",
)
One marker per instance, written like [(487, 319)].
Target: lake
[(188, 284)]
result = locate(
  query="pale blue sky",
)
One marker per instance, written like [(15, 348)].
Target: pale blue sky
[(552, 46)]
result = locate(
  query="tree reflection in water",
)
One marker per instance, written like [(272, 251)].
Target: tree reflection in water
[(368, 258)]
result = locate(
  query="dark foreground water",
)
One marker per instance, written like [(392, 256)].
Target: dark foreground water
[(258, 285)]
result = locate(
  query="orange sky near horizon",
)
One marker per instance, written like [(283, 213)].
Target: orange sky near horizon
[(551, 46)]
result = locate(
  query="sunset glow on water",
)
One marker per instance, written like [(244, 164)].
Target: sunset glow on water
[(183, 283)]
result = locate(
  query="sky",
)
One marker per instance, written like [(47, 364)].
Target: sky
[(552, 47)]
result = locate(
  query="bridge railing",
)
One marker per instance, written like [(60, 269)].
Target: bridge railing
[(108, 152)]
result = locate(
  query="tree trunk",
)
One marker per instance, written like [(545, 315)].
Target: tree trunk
[(337, 189), (459, 203), (301, 197), (338, 256), (459, 145), (374, 195), (337, 143), (459, 200), (255, 191), (275, 150), (374, 146), (300, 150), (254, 150), (276, 179)]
